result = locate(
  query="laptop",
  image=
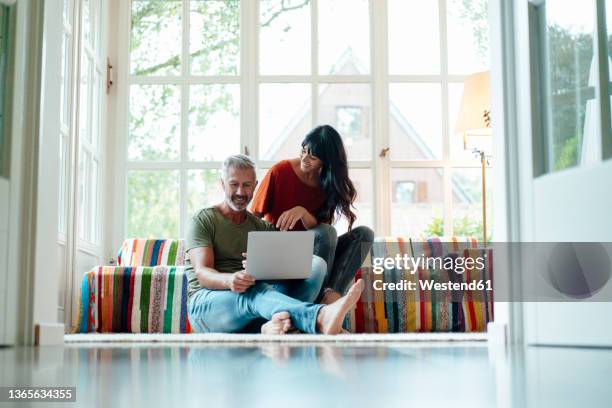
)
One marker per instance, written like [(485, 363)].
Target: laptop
[(274, 255)]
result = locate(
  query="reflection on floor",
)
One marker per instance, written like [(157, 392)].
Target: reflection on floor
[(268, 375)]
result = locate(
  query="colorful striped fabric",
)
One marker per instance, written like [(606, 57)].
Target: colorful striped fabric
[(147, 292), (422, 310), (134, 300), (152, 252)]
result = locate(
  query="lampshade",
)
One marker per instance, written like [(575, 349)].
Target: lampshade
[(474, 113)]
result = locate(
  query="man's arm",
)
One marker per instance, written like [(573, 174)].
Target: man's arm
[(203, 261)]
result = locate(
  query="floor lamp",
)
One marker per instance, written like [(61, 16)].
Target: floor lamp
[(474, 125)]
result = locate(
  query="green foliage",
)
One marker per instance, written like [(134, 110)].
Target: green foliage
[(570, 57), (153, 201), (462, 227), (153, 204), (566, 155), (475, 14), (435, 228)]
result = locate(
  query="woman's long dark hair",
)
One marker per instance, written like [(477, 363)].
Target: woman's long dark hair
[(325, 143)]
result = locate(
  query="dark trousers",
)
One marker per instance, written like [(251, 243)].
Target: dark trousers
[(344, 254)]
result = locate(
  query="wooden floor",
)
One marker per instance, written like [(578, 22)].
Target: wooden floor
[(392, 374)]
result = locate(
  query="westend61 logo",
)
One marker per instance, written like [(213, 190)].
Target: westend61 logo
[(454, 265), (405, 262)]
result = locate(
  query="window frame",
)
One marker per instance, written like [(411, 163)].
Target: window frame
[(249, 79)]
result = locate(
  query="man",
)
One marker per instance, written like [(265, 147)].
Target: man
[(223, 297)]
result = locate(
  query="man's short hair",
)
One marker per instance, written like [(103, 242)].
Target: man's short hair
[(238, 161)]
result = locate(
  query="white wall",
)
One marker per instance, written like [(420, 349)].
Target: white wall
[(32, 284)]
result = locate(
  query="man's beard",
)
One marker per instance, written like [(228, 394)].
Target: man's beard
[(240, 205)]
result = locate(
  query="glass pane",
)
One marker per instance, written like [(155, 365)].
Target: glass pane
[(214, 122), (347, 108), (284, 36), (156, 37), (83, 205), (66, 80), (154, 122), (284, 119), (85, 98), (414, 37), (347, 50), (458, 150), (62, 183), (87, 22), (572, 111), (214, 39), (204, 189), (153, 204), (93, 191), (95, 113), (417, 202), (4, 47), (67, 10), (467, 203), (468, 36), (415, 123), (364, 203)]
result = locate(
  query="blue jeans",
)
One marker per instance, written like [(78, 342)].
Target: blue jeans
[(344, 254), (223, 311)]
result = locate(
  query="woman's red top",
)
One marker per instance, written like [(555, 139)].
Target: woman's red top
[(281, 190)]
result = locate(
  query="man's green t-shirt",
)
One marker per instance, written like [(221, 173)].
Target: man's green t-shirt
[(209, 228)]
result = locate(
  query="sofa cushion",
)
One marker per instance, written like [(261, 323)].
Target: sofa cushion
[(423, 310), (134, 300), (151, 252)]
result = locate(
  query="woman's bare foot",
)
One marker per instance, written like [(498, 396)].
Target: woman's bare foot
[(329, 296), (279, 324), (330, 317)]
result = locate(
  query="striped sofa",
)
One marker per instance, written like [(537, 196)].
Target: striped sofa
[(422, 310), (147, 292)]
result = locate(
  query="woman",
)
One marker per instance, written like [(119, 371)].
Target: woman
[(309, 193)]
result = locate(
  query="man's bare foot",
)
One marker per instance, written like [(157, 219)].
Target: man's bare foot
[(329, 296), (330, 317), (279, 353), (279, 324)]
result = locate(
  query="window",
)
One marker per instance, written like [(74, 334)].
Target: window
[(447, 41), (91, 71), (209, 78), (572, 69), (404, 192), (81, 101), (349, 120)]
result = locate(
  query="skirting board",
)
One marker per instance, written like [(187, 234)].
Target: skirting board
[(260, 338)]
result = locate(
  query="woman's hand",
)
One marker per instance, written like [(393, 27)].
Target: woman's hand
[(289, 218)]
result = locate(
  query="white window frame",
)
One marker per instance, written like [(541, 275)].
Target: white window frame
[(250, 79), (82, 252)]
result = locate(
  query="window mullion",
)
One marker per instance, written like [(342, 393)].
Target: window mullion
[(314, 61), (380, 116), (249, 109), (603, 82), (447, 187), (185, 68)]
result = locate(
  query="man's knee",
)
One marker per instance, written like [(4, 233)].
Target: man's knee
[(319, 268)]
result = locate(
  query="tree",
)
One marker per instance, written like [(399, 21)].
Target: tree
[(155, 109)]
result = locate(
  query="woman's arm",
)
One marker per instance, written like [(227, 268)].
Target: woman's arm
[(289, 218)]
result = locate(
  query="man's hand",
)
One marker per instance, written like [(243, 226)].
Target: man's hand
[(239, 282), (289, 218)]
